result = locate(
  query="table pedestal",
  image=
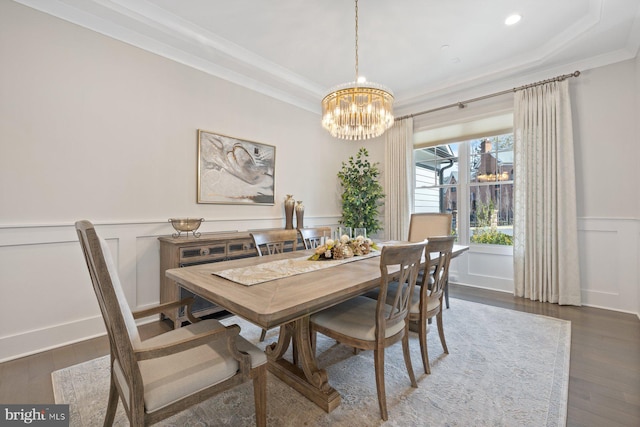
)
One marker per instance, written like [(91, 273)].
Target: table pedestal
[(307, 379)]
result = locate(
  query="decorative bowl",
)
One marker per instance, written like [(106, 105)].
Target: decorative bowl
[(186, 225)]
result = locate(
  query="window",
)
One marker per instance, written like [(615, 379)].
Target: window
[(472, 180), (436, 174)]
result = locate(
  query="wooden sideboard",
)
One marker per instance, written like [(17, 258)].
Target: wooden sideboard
[(188, 250)]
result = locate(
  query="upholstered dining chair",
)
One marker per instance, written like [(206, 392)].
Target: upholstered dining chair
[(270, 242), (368, 324), (426, 302), (161, 376), (429, 224), (312, 237)]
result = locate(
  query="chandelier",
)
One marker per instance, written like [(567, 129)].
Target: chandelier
[(359, 109)]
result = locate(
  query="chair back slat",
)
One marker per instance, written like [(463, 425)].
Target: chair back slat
[(312, 237), (442, 247), (407, 257), (271, 242)]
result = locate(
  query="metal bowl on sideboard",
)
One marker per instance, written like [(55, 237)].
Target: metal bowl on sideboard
[(186, 225)]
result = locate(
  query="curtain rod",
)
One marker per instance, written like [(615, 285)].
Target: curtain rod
[(463, 104)]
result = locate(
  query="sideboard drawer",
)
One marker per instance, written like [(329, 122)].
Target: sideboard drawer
[(204, 253), (240, 248)]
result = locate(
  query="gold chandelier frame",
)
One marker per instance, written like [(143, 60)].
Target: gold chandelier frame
[(357, 111)]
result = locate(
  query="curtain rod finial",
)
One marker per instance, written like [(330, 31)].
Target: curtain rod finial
[(576, 73)]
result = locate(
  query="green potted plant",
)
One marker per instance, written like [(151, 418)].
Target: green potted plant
[(486, 231), (362, 193)]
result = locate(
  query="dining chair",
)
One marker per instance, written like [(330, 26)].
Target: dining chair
[(429, 224), (270, 242), (368, 324), (166, 374), (427, 302), (312, 237)]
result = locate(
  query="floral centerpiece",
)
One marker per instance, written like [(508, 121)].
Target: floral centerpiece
[(344, 248)]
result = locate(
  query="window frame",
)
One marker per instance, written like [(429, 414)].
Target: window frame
[(463, 190)]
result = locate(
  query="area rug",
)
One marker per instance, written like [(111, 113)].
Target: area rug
[(505, 368)]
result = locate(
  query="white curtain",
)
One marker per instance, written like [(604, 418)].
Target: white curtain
[(545, 229), (398, 175)]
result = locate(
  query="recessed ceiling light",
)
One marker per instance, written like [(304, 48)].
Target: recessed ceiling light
[(512, 19)]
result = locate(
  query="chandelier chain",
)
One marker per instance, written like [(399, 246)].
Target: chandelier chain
[(356, 80)]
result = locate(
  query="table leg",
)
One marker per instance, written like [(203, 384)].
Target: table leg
[(277, 350), (307, 379)]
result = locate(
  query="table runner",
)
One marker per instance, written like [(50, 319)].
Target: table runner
[(279, 269)]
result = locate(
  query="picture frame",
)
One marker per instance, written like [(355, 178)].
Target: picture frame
[(235, 171)]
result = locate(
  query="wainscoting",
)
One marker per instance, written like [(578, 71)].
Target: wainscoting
[(609, 265), (48, 301), (46, 295)]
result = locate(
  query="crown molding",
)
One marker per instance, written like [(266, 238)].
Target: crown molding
[(142, 24), (167, 35)]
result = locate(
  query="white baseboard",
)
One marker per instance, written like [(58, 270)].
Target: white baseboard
[(31, 342), (583, 303)]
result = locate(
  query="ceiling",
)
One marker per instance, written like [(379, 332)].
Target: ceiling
[(424, 50)]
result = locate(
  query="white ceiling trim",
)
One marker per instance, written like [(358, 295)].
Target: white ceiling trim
[(508, 78), (151, 28), (306, 97), (517, 65), (158, 18), (633, 43), (556, 44)]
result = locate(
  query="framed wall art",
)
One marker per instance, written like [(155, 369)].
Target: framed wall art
[(235, 171)]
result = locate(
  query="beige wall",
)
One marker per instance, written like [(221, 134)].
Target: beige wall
[(638, 180), (94, 128), (607, 150), (605, 109)]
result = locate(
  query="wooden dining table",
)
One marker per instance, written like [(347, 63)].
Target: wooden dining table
[(287, 302)]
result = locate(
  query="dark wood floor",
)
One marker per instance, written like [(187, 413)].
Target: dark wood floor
[(604, 383)]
